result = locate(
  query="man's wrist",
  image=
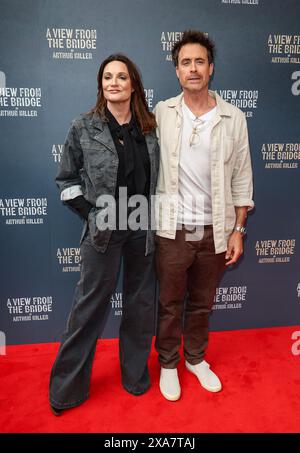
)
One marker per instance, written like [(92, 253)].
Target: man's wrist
[(240, 228)]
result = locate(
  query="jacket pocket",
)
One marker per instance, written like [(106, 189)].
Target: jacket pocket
[(99, 238)]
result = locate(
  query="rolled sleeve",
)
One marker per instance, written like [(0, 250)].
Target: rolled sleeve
[(68, 176), (70, 193), (242, 178)]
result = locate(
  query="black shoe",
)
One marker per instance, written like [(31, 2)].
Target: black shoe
[(137, 391), (57, 412)]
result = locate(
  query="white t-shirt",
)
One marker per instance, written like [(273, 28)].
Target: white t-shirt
[(194, 201)]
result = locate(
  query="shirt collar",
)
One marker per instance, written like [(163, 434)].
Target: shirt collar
[(223, 109)]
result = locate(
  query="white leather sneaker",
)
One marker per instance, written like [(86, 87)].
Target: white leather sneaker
[(169, 384), (207, 378)]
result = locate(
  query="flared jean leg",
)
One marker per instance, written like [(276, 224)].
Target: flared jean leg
[(137, 325), (71, 372)]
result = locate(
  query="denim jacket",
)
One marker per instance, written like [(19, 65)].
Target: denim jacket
[(89, 166)]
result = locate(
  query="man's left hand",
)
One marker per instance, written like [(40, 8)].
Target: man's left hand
[(234, 248)]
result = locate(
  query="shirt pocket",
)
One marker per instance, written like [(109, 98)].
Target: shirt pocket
[(95, 154), (101, 166)]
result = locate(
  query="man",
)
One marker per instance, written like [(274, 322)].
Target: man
[(204, 192)]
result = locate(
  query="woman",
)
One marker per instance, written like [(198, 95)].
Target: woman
[(111, 153)]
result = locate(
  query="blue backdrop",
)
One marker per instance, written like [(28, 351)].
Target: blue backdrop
[(50, 54)]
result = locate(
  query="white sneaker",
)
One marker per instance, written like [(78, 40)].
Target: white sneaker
[(207, 378), (169, 384)]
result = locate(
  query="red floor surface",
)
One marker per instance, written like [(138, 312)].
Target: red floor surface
[(259, 369)]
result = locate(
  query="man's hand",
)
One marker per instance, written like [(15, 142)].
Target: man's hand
[(234, 248)]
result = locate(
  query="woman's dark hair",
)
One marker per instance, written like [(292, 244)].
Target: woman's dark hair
[(139, 107), (194, 37)]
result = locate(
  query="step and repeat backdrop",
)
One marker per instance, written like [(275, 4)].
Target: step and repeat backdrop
[(50, 52)]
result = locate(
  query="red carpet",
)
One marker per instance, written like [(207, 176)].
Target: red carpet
[(261, 390)]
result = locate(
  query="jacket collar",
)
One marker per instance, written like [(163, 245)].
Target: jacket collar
[(223, 108), (97, 122)]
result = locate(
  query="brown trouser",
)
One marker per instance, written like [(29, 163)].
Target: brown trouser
[(194, 268)]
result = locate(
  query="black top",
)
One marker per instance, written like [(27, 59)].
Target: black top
[(134, 163)]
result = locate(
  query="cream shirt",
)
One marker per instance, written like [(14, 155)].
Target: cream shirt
[(230, 167)]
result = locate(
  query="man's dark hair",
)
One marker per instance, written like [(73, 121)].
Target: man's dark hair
[(194, 37)]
